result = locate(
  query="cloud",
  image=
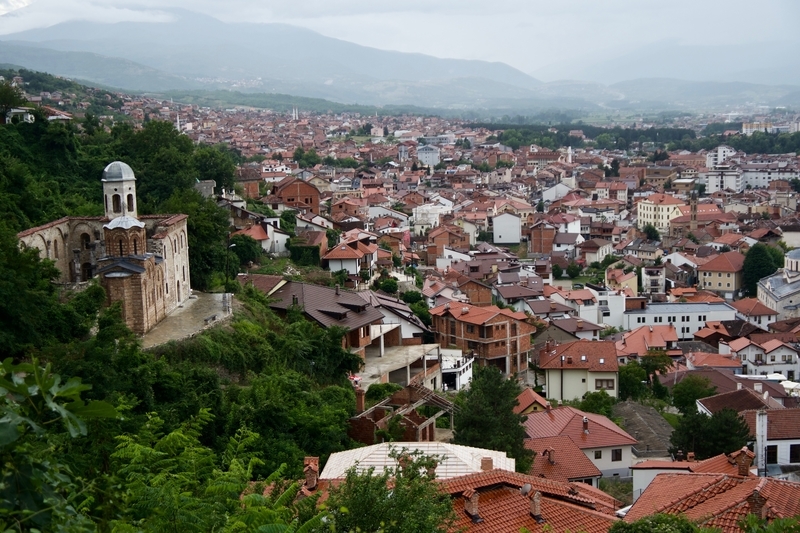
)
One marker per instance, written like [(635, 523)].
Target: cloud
[(527, 34)]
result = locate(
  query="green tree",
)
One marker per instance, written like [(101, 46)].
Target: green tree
[(689, 390), (723, 432), (573, 270), (755, 524), (247, 249), (213, 163), (778, 255), (557, 272), (420, 309), (632, 379), (758, 263), (400, 499), (389, 285), (207, 227), (659, 523), (10, 97), (486, 417), (37, 490), (651, 232), (597, 402), (540, 206), (411, 297)]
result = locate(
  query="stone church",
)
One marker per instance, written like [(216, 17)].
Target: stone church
[(141, 261)]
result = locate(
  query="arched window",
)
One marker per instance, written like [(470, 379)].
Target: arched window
[(105, 201), (85, 241), (130, 202), (121, 253), (135, 246), (117, 203), (55, 248), (184, 273), (174, 246)]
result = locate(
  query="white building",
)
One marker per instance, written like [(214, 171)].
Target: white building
[(771, 357), (428, 155), (456, 369), (507, 229), (723, 177), (781, 291), (719, 155), (556, 192), (686, 317)]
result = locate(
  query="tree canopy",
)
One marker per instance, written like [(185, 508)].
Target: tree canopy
[(690, 389), (486, 417), (723, 432), (758, 263)]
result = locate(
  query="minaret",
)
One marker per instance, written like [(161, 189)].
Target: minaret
[(178, 125), (569, 154)]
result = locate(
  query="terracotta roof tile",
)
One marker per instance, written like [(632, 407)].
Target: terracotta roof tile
[(568, 421), (558, 458)]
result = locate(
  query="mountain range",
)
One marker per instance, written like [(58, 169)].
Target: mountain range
[(195, 52)]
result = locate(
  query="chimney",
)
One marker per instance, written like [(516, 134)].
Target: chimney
[(679, 456), (739, 385), (536, 507), (585, 425), (579, 324), (337, 289), (547, 406), (471, 505), (552, 306), (294, 299), (311, 471), (758, 387), (743, 462), (757, 501), (551, 455), (761, 441), (360, 394), (690, 457), (487, 464)]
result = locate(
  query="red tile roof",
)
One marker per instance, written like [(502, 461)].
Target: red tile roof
[(717, 500), (725, 262), (752, 307), (560, 459), (527, 398), (568, 421), (781, 423), (595, 356)]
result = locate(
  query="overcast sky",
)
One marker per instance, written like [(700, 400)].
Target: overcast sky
[(527, 34)]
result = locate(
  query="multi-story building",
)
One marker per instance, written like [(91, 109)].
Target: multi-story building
[(723, 274), (297, 194), (497, 337), (723, 177), (770, 357), (654, 279), (780, 290), (658, 210), (687, 317), (719, 155)]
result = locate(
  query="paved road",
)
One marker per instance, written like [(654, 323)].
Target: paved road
[(186, 320)]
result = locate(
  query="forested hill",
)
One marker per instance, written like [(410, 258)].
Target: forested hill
[(195, 421)]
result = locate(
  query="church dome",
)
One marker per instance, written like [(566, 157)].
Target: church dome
[(118, 171), (124, 222)]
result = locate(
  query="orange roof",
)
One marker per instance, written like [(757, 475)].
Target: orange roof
[(725, 262), (255, 232), (343, 252), (699, 359), (644, 338), (595, 356), (560, 459), (663, 199), (568, 421), (473, 314), (752, 307), (740, 344), (527, 398), (717, 500)]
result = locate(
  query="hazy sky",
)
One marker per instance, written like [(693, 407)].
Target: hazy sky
[(527, 34)]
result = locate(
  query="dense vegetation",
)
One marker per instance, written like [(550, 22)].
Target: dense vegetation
[(757, 143)]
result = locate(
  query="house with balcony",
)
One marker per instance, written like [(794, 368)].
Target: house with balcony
[(654, 279), (771, 357), (497, 337)]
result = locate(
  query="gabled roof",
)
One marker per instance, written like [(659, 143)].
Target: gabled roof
[(752, 307), (560, 459), (725, 262), (644, 338), (717, 500), (322, 304), (739, 400), (781, 423), (473, 314), (568, 421), (595, 356), (527, 398)]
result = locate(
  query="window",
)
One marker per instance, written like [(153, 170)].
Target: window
[(772, 454), (130, 202), (116, 201), (470, 329), (794, 453), (616, 455), (598, 454), (604, 384)]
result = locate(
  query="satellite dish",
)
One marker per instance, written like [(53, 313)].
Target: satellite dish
[(525, 489)]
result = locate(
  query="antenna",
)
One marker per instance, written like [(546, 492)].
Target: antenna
[(525, 489)]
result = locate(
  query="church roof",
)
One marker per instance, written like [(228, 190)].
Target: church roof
[(118, 171), (124, 222)]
